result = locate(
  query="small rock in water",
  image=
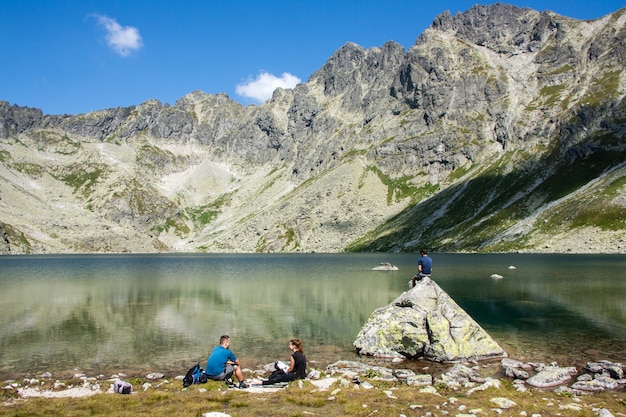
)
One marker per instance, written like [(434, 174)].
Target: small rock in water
[(496, 276), (385, 266)]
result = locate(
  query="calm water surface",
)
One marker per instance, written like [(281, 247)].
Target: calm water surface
[(139, 313)]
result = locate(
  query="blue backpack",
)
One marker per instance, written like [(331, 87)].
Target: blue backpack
[(195, 375)]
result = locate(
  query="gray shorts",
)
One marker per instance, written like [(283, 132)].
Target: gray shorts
[(229, 369)]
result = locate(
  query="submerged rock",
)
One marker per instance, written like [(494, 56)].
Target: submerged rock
[(425, 322), (385, 266)]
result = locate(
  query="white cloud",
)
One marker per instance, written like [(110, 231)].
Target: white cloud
[(123, 39), (262, 87)]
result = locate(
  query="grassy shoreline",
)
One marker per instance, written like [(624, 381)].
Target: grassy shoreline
[(166, 397)]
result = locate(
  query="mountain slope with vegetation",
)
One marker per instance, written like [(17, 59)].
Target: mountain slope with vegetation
[(500, 129)]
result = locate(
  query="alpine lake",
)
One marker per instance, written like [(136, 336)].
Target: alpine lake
[(132, 314)]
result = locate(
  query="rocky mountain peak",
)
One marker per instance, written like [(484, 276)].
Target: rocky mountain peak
[(460, 142), (500, 27)]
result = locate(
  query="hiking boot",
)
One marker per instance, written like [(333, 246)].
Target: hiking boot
[(243, 385)]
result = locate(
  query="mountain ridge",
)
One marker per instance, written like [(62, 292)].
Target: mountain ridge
[(500, 129)]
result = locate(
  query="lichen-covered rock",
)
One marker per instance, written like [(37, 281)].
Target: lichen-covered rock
[(425, 322)]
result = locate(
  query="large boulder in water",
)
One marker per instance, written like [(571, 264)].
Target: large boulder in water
[(425, 322)]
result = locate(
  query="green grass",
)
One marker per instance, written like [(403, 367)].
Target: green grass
[(176, 224), (397, 189), (81, 178), (469, 214), (203, 215), (34, 170), (603, 89), (16, 238), (169, 399), (551, 94)]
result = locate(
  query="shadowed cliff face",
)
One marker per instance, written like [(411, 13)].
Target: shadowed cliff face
[(500, 129)]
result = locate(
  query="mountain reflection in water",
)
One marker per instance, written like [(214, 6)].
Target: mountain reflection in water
[(145, 313)]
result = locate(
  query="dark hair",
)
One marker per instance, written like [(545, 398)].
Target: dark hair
[(424, 252), (223, 338)]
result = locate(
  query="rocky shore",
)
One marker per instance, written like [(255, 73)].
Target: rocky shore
[(464, 380)]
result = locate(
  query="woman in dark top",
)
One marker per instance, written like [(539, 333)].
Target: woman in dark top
[(297, 361), (297, 365)]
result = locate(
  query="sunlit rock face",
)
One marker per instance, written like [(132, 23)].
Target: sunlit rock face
[(425, 322)]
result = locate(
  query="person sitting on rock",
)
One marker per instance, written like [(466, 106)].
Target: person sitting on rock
[(424, 267)]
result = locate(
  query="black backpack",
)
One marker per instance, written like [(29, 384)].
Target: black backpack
[(195, 375)]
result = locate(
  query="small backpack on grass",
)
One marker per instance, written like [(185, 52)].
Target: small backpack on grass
[(195, 375)]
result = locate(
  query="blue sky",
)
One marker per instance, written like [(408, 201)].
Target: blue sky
[(77, 56)]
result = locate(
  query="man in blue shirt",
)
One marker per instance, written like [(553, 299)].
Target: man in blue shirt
[(222, 363), (424, 267)]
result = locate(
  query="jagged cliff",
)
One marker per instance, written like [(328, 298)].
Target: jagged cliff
[(500, 129)]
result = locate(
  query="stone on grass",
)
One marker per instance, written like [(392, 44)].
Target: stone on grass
[(516, 373), (489, 383), (551, 376), (598, 384), (461, 376), (420, 380), (503, 403)]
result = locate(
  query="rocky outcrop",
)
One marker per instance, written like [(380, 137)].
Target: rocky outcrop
[(594, 377), (425, 322)]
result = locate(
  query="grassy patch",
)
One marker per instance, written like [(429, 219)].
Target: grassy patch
[(561, 70), (16, 238), (353, 153), (468, 215), (82, 179), (169, 399), (4, 156), (606, 218), (397, 189), (603, 89), (203, 215), (33, 170), (199, 216), (177, 224), (458, 173), (261, 245), (551, 94), (289, 236)]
